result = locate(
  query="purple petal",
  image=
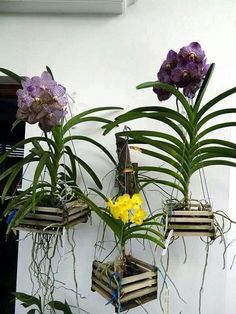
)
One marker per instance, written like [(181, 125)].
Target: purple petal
[(191, 89), (192, 52), (161, 93)]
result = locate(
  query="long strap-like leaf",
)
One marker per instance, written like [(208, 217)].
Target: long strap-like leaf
[(168, 137), (12, 75), (213, 102), (173, 174), (178, 166), (172, 90), (213, 115), (203, 88), (129, 116), (81, 117), (90, 140), (216, 127), (88, 169)]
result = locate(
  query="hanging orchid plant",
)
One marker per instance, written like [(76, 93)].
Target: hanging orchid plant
[(127, 219), (190, 146), (43, 101)]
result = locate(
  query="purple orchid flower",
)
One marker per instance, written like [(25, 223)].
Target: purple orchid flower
[(42, 100), (191, 53), (161, 93), (186, 70), (164, 75)]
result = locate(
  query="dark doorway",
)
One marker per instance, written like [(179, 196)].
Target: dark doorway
[(9, 248)]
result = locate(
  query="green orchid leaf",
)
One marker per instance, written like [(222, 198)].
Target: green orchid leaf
[(145, 237), (212, 152), (99, 193), (70, 154), (115, 225), (12, 75), (142, 227), (38, 171), (14, 171), (49, 71), (70, 174), (57, 305), (216, 127), (173, 174), (158, 111), (170, 149), (208, 142), (87, 139), (57, 138), (203, 88), (163, 182), (23, 196), (25, 209), (15, 123), (97, 109), (131, 115), (153, 217), (81, 117), (213, 115), (148, 133), (214, 101), (207, 163), (88, 169), (178, 166), (27, 299), (21, 144), (171, 89)]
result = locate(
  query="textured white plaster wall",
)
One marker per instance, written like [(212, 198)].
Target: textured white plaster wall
[(102, 59)]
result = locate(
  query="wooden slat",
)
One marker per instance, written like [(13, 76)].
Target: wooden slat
[(101, 285), (142, 263), (76, 215), (139, 301), (194, 233), (189, 227), (139, 285), (104, 278), (38, 216), (76, 222), (189, 219), (39, 223), (48, 231), (49, 209), (133, 278), (137, 294), (191, 213)]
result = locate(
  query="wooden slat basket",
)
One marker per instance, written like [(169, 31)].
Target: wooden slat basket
[(195, 220), (132, 289), (52, 220)]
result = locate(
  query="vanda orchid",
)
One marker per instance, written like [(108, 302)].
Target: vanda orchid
[(190, 144), (56, 178)]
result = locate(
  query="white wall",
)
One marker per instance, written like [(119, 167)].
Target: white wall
[(103, 58)]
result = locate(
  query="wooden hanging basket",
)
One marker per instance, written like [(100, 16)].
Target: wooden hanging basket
[(136, 286), (52, 220), (195, 220)]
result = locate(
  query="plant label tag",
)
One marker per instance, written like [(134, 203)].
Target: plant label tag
[(167, 242), (167, 301)]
